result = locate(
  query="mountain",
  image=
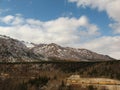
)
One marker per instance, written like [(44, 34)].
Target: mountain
[(12, 50), (56, 52)]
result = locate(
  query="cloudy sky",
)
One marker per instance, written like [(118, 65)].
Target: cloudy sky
[(91, 24)]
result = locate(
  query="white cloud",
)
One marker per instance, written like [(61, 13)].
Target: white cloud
[(110, 6), (12, 20), (7, 19), (105, 45), (63, 30), (115, 27)]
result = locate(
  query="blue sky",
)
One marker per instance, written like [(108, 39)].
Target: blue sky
[(84, 24), (44, 10)]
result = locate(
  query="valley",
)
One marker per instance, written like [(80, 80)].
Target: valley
[(53, 75), (29, 66), (59, 45)]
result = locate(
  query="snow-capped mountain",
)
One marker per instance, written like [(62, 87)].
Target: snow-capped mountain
[(54, 51), (29, 44), (12, 50)]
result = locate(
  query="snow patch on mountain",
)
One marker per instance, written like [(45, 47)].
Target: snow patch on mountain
[(28, 44), (68, 53), (4, 37)]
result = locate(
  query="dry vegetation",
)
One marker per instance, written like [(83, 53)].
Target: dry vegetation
[(51, 76)]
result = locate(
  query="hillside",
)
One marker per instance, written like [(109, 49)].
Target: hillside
[(50, 75), (57, 52), (12, 50)]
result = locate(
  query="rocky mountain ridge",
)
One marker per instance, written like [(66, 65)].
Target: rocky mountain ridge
[(57, 52), (12, 50)]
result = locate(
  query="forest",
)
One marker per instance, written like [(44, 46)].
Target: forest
[(52, 75)]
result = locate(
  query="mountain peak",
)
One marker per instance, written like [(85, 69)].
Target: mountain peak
[(4, 37), (53, 44), (14, 50), (53, 50)]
